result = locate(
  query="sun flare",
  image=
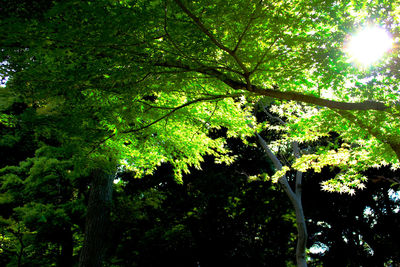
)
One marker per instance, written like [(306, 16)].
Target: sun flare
[(369, 45)]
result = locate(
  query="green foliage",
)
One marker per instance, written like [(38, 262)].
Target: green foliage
[(151, 94), (361, 140), (137, 84), (41, 210)]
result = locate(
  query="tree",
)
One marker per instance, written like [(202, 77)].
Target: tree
[(217, 216), (40, 202), (140, 96)]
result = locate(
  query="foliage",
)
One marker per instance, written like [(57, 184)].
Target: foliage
[(144, 83), (150, 94), (42, 212), (40, 197)]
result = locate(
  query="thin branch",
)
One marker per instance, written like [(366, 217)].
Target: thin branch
[(144, 78), (201, 61), (216, 97), (252, 18), (169, 37), (278, 166), (299, 174), (153, 106), (166, 116), (263, 56), (81, 43), (202, 27), (272, 117), (207, 121), (204, 90), (242, 35), (211, 36), (203, 70), (228, 69), (97, 145)]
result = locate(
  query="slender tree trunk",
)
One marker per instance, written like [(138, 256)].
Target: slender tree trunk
[(97, 219), (301, 233), (300, 223), (67, 246), (295, 199)]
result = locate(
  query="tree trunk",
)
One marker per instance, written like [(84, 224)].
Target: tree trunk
[(67, 246), (97, 219), (300, 223), (295, 199), (301, 234)]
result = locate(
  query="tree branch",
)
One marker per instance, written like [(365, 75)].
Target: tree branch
[(202, 27), (215, 97), (252, 18), (207, 121), (309, 99), (299, 174), (198, 22), (263, 56), (293, 96)]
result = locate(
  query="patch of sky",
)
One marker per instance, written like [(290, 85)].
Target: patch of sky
[(395, 196), (318, 248), (3, 77)]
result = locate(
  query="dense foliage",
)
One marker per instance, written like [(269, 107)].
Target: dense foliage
[(107, 82), (94, 88)]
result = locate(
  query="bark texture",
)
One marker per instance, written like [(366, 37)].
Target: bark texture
[(97, 219)]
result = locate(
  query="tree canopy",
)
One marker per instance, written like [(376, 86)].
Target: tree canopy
[(112, 74), (95, 87)]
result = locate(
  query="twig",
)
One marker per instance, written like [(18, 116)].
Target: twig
[(216, 97), (211, 36)]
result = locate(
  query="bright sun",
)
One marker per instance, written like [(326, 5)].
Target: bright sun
[(369, 45)]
